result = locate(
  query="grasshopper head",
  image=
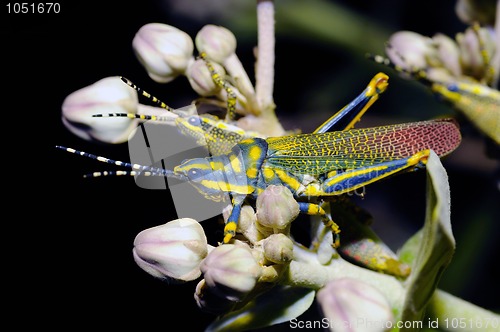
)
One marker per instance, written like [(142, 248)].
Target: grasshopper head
[(191, 126), (208, 181)]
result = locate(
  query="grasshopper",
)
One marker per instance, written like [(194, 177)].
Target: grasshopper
[(220, 135), (313, 166), (478, 101)]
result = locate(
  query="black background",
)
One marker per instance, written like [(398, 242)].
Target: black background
[(69, 240)]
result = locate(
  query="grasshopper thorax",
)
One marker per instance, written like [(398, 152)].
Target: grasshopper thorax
[(235, 173)]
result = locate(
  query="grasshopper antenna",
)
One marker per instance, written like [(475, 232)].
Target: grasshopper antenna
[(135, 169), (417, 74), (169, 116), (166, 118), (146, 94)]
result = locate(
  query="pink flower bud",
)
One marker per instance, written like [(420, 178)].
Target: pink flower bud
[(410, 50), (276, 207), (448, 53), (201, 79), (278, 248), (109, 95), (470, 51), (218, 42), (231, 271), (354, 306), (172, 251), (163, 50)]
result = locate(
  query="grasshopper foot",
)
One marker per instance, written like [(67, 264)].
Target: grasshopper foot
[(229, 231)]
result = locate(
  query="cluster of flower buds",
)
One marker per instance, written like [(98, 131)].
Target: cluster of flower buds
[(232, 275), (178, 251), (166, 53), (445, 59)]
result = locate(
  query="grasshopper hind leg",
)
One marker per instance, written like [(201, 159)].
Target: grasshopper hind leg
[(316, 210)]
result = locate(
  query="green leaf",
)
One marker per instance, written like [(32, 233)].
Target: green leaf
[(409, 251), (436, 245), (280, 304)]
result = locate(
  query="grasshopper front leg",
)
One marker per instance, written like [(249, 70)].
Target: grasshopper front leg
[(232, 221)]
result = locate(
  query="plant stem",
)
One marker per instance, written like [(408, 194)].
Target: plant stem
[(265, 57)]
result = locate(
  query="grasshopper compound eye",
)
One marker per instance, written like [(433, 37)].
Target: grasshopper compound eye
[(195, 121)]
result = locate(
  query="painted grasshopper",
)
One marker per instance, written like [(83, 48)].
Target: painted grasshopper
[(220, 135), (313, 166), (475, 98), (479, 103)]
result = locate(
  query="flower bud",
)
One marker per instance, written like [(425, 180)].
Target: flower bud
[(473, 11), (218, 42), (173, 250), (108, 95), (351, 305), (472, 60), (230, 271), (276, 207), (210, 302), (448, 53), (163, 50), (470, 50), (410, 50), (201, 79), (278, 248)]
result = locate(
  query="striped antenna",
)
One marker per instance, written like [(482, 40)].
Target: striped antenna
[(135, 116), (146, 94), (135, 169), (120, 173), (417, 74)]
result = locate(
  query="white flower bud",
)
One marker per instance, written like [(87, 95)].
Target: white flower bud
[(173, 250), (209, 301), (231, 271), (247, 224), (163, 50), (276, 207), (108, 95), (448, 53), (218, 42), (201, 79), (352, 305), (470, 52), (473, 11), (410, 50), (278, 248)]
